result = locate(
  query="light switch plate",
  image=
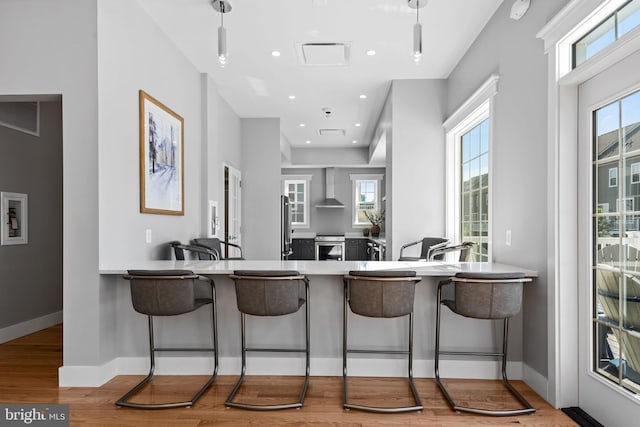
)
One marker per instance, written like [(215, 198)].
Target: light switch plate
[(148, 235), (508, 238)]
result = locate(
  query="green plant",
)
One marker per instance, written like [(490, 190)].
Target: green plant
[(375, 217)]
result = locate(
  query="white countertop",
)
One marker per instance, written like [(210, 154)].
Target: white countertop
[(329, 268)]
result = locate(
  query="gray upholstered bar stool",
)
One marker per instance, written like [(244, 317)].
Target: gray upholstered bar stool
[(483, 296), (169, 293), (270, 293), (382, 294)]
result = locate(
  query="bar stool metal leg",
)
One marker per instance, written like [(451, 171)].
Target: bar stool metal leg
[(345, 351), (123, 401), (259, 407), (528, 409)]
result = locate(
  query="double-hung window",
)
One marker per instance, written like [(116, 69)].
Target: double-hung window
[(296, 188), (468, 172), (366, 197)]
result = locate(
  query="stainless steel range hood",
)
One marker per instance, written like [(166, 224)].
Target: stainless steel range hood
[(330, 200)]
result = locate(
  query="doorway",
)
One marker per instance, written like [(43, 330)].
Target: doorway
[(609, 242), (232, 210)]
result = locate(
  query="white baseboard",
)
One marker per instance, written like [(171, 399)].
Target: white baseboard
[(29, 326), (95, 376), (536, 381)]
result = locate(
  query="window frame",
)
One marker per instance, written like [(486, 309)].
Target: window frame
[(306, 181), (355, 180), (476, 109), (636, 166)]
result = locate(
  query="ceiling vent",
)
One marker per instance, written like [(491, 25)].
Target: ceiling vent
[(324, 54), (331, 132)]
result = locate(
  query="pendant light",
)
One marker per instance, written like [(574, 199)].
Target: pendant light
[(222, 6), (417, 29)]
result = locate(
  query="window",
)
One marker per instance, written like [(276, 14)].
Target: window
[(635, 173), (366, 197), (296, 188), (613, 177), (608, 31), (468, 172), (474, 188)]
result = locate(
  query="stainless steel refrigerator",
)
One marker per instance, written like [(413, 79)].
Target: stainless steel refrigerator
[(285, 228)]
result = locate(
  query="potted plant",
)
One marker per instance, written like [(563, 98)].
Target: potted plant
[(376, 218)]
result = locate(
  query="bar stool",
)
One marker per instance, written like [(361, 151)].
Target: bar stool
[(483, 296), (270, 293), (169, 293), (380, 294)]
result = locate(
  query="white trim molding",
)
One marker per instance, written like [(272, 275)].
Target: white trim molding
[(95, 376), (573, 21), (30, 326)]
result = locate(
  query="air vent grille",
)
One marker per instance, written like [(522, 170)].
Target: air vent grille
[(324, 54), (331, 132)]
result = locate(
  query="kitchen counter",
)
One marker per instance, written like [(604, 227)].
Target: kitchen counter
[(125, 331), (332, 268)]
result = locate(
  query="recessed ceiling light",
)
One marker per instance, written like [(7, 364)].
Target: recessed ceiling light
[(275, 53), (308, 142), (357, 125), (354, 141), (292, 97), (371, 52), (363, 96), (302, 125)]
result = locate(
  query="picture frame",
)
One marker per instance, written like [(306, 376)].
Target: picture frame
[(161, 158), (15, 219), (212, 219)]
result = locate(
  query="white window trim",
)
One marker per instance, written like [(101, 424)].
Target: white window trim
[(615, 170), (474, 110), (354, 180), (306, 179)]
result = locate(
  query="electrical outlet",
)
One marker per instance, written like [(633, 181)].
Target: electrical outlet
[(148, 235), (508, 239)]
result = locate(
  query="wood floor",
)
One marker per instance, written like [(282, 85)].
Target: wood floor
[(28, 374)]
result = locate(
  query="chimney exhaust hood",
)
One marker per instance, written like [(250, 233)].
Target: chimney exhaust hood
[(330, 200)]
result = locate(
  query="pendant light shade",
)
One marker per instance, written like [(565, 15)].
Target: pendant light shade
[(417, 28), (222, 6)]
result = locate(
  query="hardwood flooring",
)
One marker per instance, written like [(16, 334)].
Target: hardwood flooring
[(28, 374)]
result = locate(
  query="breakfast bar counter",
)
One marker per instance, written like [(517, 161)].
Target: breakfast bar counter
[(130, 352)]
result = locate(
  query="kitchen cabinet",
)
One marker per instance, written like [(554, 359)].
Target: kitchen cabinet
[(356, 249), (303, 249)]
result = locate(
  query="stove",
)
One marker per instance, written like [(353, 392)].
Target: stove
[(330, 247)]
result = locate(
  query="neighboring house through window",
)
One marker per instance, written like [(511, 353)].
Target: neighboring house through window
[(366, 196), (296, 188)]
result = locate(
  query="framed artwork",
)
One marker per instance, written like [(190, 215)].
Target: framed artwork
[(14, 219), (212, 219), (161, 158)]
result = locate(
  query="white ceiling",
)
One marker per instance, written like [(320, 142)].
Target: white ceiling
[(257, 84)]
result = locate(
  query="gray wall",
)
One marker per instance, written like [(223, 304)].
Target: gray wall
[(332, 220), (412, 119), (261, 188), (129, 40), (519, 166), (33, 165), (222, 132)]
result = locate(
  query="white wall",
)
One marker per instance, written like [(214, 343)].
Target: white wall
[(261, 188), (135, 54), (519, 185), (415, 162), (54, 51)]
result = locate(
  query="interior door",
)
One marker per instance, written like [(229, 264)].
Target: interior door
[(609, 243), (232, 210)]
